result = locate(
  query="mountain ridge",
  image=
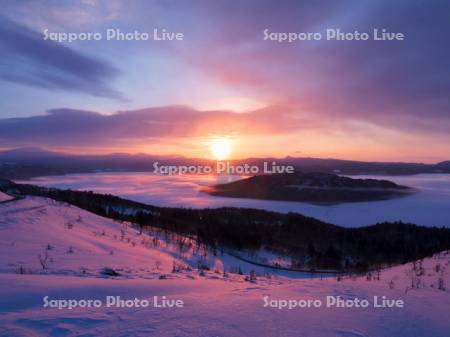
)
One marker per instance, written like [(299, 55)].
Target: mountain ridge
[(24, 163)]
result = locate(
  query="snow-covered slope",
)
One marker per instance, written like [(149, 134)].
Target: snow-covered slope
[(43, 236), (4, 197), (71, 241), (56, 250)]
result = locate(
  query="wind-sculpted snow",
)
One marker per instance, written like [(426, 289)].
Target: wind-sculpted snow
[(57, 250)]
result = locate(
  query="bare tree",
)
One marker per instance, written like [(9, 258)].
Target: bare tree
[(44, 259), (391, 284)]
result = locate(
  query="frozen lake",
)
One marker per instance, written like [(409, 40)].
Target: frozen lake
[(430, 206)]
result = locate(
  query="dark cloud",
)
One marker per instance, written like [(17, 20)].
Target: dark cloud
[(401, 85), (28, 59), (67, 127)]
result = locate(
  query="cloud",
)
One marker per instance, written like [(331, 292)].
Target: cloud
[(29, 60), (68, 127), (395, 84)]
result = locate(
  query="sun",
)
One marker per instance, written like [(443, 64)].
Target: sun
[(220, 148)]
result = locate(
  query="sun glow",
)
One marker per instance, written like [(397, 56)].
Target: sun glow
[(220, 148)]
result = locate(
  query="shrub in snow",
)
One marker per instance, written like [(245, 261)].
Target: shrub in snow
[(155, 242), (109, 272), (44, 259), (391, 284), (437, 268), (177, 267), (416, 282), (441, 284), (251, 277), (418, 268), (22, 270), (201, 265)]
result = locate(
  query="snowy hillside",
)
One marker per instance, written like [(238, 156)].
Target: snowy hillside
[(57, 250), (4, 197), (43, 236)]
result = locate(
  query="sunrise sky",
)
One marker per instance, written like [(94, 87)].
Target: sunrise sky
[(366, 100)]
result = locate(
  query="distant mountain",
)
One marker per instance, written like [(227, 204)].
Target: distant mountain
[(310, 187), (28, 153), (24, 163), (444, 165), (349, 167), (29, 162)]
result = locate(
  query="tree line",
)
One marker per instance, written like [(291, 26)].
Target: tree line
[(309, 243)]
